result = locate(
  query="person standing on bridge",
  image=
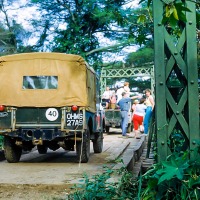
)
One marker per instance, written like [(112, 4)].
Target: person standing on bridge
[(138, 116), (126, 88), (124, 105), (119, 92), (150, 106)]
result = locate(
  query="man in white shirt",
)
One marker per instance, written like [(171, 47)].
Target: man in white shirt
[(119, 93)]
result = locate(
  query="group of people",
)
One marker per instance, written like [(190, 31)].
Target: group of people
[(142, 112), (142, 108), (112, 97)]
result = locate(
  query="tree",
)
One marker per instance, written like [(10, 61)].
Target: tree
[(73, 26), (81, 27), (8, 42), (12, 34), (140, 57)]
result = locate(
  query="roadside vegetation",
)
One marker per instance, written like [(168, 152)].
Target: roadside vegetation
[(1, 142), (178, 177)]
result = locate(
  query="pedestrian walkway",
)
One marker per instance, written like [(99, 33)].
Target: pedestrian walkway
[(129, 149)]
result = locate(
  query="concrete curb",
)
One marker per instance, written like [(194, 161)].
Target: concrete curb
[(131, 159), (131, 154)]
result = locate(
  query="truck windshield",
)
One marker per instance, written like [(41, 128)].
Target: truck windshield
[(40, 82)]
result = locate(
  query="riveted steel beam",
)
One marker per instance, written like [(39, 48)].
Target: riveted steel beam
[(176, 81)]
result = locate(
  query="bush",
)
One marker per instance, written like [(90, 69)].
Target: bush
[(99, 187), (176, 178)]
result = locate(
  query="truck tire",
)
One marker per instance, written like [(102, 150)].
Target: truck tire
[(107, 129), (83, 148), (98, 143), (42, 149), (129, 128), (12, 152)]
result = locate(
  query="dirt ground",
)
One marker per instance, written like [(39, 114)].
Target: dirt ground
[(49, 181), (29, 180), (33, 192), (51, 176)]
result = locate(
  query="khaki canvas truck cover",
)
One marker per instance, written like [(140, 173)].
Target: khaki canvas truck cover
[(76, 82)]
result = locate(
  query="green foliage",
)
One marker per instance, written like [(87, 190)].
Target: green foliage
[(176, 178), (174, 14), (142, 25), (7, 41), (77, 26), (1, 142), (138, 58), (98, 187), (12, 34), (86, 23), (82, 23)]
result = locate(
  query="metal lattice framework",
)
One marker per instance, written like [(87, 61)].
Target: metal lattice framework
[(177, 105), (126, 72)]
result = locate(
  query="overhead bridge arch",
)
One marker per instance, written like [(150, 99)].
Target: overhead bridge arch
[(126, 73)]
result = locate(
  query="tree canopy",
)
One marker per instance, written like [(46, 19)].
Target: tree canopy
[(85, 27), (91, 28)]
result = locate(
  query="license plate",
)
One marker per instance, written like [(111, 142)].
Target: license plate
[(74, 119)]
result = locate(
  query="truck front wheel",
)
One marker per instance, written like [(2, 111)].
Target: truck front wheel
[(98, 143), (12, 152), (83, 147)]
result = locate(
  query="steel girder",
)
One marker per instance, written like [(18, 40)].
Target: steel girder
[(177, 105), (125, 73)]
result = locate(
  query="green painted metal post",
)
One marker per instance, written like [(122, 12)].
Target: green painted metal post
[(177, 105), (191, 56), (160, 85)]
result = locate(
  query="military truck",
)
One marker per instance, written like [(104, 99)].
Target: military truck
[(113, 119), (48, 101)]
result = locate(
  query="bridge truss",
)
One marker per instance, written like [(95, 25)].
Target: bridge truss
[(177, 105), (126, 73)]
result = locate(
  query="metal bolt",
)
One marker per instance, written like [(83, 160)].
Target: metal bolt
[(159, 24), (168, 1), (192, 82), (190, 22), (194, 142), (177, 112), (162, 142), (175, 53), (161, 83)]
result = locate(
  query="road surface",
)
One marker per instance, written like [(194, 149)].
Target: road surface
[(40, 177)]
